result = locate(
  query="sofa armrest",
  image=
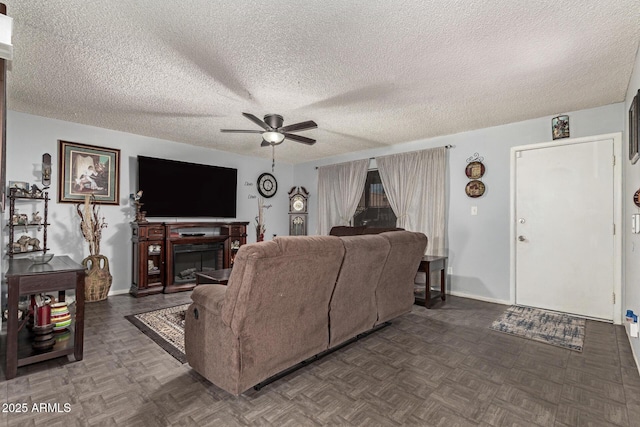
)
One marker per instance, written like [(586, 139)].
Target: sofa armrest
[(210, 296)]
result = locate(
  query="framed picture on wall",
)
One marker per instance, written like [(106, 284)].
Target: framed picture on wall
[(87, 169), (634, 124), (560, 127)]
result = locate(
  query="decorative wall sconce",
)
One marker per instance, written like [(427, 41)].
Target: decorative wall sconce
[(46, 169)]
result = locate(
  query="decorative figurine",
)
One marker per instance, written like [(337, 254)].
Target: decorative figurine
[(25, 241), (35, 191), (140, 215), (36, 219)]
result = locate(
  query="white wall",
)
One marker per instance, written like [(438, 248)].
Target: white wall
[(478, 246), (631, 242), (28, 137)]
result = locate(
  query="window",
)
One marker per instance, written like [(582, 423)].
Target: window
[(374, 209)]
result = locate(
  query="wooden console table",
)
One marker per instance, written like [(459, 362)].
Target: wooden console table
[(26, 278), (428, 265)]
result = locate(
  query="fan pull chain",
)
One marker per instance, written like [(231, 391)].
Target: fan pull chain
[(273, 158)]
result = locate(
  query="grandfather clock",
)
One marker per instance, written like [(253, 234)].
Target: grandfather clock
[(298, 198)]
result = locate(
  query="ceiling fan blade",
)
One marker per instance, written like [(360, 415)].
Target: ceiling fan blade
[(265, 143), (257, 121), (241, 131), (299, 126), (299, 138)]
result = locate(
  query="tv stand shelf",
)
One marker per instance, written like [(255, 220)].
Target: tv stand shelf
[(153, 251)]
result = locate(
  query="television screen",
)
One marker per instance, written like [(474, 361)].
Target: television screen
[(179, 189)]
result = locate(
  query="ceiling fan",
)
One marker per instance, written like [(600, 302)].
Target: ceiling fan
[(274, 133)]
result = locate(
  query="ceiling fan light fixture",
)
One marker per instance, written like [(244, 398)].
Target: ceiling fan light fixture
[(273, 137)]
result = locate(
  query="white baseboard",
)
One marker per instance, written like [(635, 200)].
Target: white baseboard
[(629, 337), (120, 292), (479, 298)]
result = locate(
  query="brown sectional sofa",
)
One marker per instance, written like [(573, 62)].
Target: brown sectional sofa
[(295, 297)]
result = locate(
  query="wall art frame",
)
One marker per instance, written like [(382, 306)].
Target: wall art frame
[(560, 127), (88, 169), (634, 125)]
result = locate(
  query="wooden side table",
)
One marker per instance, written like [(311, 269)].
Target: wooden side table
[(26, 278), (428, 265), (217, 277)]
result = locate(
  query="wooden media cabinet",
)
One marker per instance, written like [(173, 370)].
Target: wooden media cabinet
[(167, 256)]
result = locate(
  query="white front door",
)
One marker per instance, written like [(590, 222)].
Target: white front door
[(564, 231)]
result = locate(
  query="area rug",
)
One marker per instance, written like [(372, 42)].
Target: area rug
[(165, 327), (549, 327)]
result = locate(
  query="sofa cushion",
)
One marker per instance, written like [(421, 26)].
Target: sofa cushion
[(394, 293), (282, 299), (353, 304)]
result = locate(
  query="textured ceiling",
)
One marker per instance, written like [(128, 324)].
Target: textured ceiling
[(370, 73)]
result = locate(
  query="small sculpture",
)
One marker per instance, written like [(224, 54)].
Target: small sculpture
[(35, 191), (140, 214), (25, 241), (36, 218), (19, 219)]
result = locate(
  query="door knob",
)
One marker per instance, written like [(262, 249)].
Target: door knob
[(521, 238)]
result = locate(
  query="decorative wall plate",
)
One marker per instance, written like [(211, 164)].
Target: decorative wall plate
[(474, 170), (475, 188)]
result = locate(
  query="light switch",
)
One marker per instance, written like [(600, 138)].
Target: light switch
[(474, 210)]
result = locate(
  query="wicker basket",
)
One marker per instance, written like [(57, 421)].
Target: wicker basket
[(98, 280)]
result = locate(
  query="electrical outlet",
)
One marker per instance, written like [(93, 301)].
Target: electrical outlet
[(474, 210), (450, 270)]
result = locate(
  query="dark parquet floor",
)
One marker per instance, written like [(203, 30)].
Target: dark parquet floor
[(438, 367)]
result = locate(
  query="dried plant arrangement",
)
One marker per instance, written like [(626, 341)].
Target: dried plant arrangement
[(260, 225), (91, 224)]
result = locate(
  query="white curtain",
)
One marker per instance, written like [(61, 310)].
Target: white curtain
[(339, 190), (415, 186)]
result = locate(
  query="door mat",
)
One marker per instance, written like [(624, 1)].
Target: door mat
[(165, 327), (549, 327)]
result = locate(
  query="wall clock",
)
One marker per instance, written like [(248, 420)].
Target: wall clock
[(298, 199), (267, 185), (636, 198)]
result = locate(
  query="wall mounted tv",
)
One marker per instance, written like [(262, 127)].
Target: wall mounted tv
[(179, 189)]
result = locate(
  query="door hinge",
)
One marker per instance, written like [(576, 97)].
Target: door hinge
[(614, 160), (614, 229), (614, 297)]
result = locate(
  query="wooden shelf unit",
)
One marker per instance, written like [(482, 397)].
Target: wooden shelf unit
[(153, 249), (15, 197)]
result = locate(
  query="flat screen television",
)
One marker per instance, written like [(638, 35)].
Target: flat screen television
[(180, 189)]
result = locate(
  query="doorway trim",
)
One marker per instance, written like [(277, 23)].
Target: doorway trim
[(617, 213)]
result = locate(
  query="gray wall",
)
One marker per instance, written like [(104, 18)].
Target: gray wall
[(478, 246), (28, 137)]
